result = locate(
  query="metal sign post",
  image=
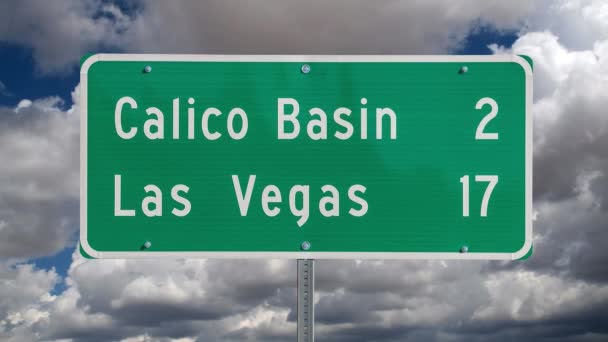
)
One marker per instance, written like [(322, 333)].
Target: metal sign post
[(306, 289)]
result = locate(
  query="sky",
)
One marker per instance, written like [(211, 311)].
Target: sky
[(49, 292)]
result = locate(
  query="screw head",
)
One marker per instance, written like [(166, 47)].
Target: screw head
[(463, 69), (147, 69), (305, 69), (305, 245), (464, 249), (147, 244)]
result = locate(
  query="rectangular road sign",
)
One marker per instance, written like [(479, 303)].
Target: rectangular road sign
[(306, 157)]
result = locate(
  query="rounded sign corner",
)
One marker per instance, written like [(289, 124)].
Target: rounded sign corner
[(523, 251), (88, 61), (524, 63), (87, 251)]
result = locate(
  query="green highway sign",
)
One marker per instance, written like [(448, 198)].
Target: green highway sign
[(309, 157)]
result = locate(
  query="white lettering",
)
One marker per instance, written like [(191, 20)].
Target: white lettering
[(118, 211), (283, 117), (243, 200), (118, 117)]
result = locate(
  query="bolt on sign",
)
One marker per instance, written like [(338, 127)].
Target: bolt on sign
[(234, 156)]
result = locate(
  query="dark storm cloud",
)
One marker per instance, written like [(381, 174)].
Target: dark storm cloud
[(263, 334), (244, 277), (61, 32), (574, 145), (315, 27), (263, 27), (583, 324), (589, 323), (365, 332)]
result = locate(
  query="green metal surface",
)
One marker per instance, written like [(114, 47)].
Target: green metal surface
[(413, 188)]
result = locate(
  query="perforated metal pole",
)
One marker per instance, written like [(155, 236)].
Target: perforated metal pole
[(306, 289)]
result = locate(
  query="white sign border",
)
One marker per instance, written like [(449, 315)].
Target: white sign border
[(304, 59)]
